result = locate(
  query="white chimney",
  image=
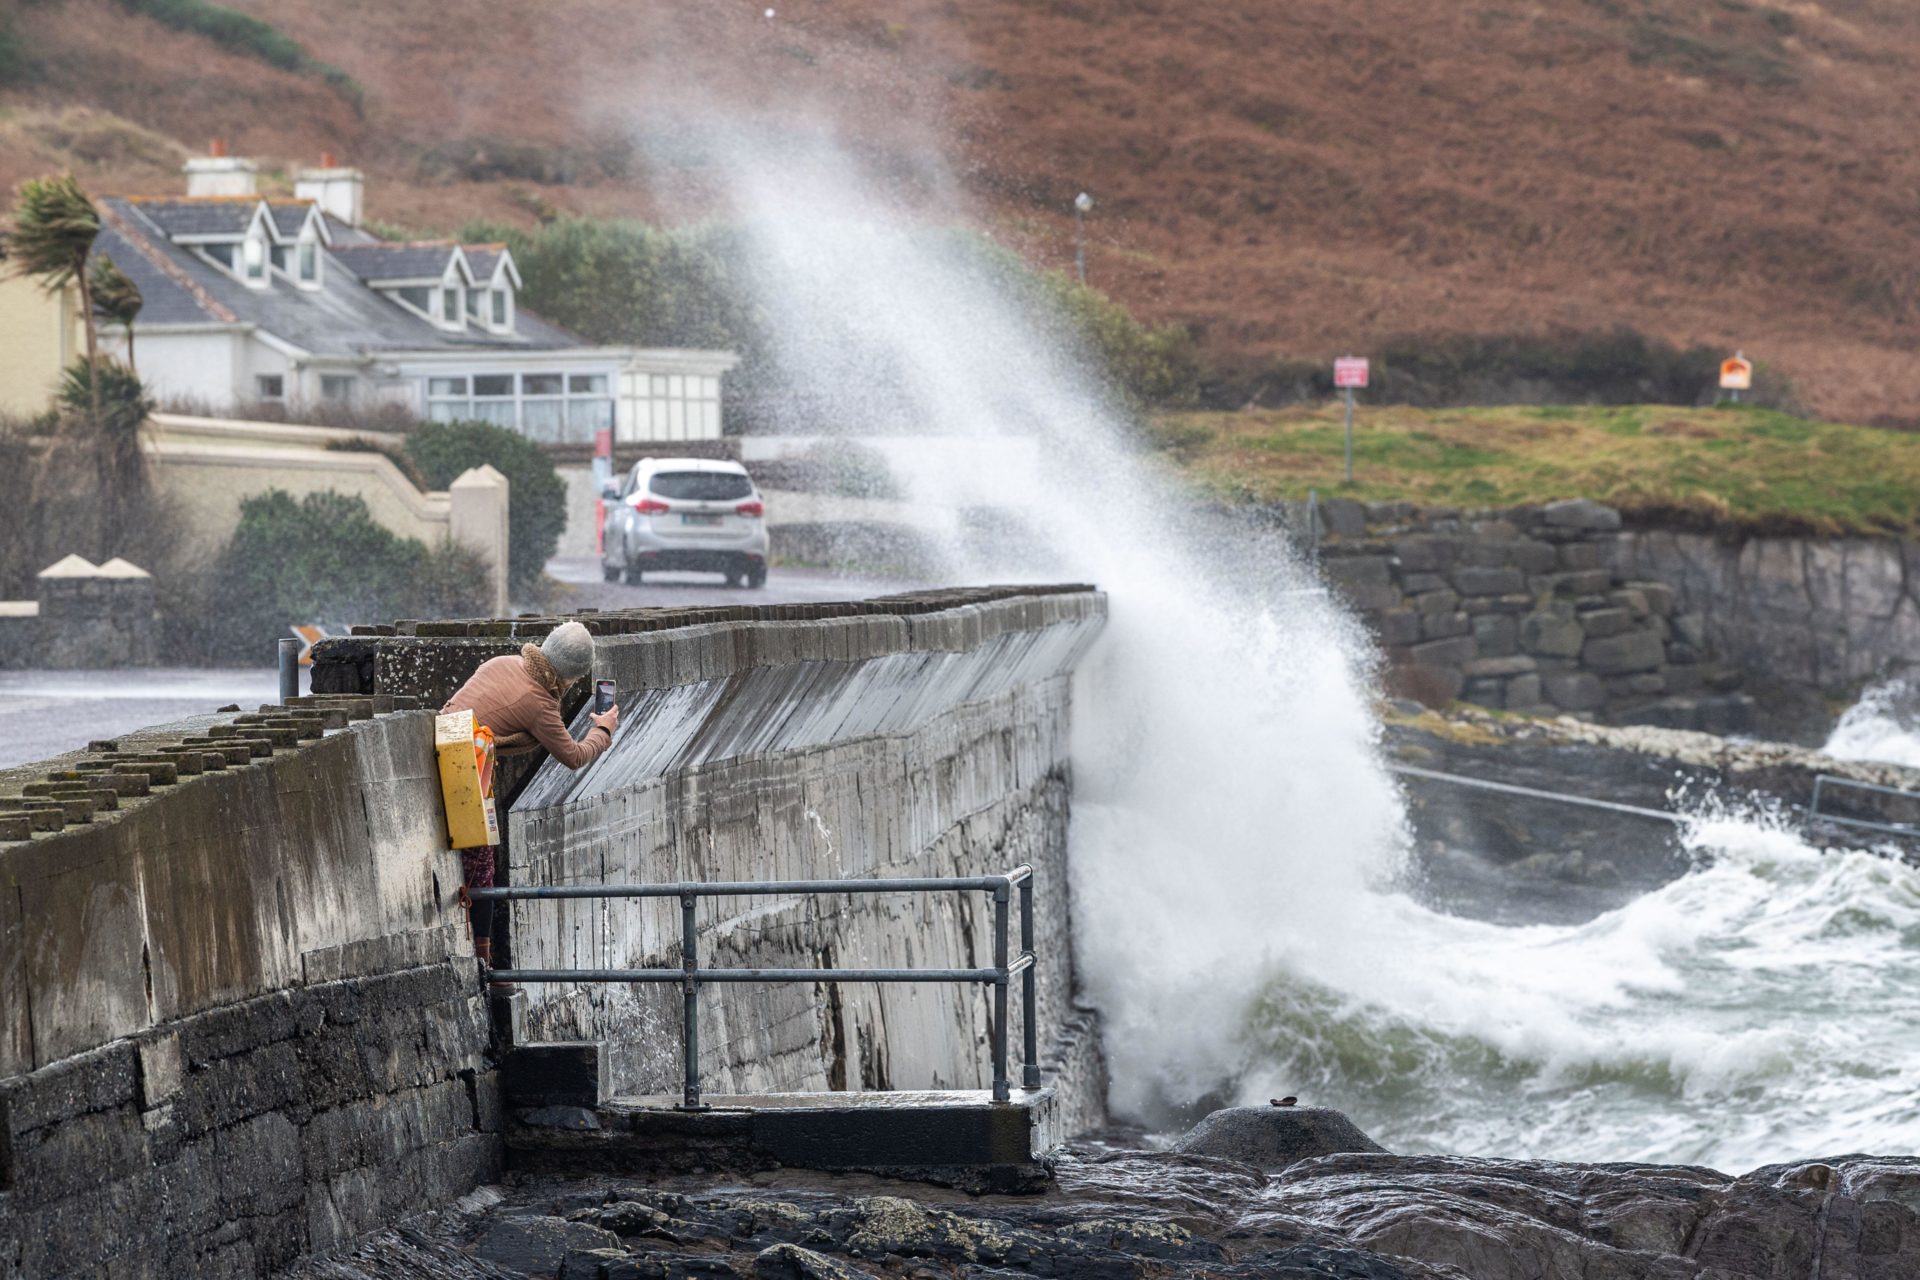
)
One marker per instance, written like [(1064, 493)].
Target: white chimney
[(338, 191), (219, 174)]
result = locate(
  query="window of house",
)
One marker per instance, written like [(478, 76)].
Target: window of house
[(337, 387), (253, 259), (270, 386), (553, 408), (450, 307), (448, 401), (499, 308), (309, 258), (543, 406), (589, 405), (493, 399), (673, 406)]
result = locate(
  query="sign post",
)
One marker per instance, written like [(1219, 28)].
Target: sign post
[(1736, 374), (1350, 372)]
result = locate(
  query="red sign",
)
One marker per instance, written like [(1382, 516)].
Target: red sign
[(1350, 371), (1736, 374)]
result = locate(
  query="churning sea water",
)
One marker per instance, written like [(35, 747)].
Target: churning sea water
[(1242, 910)]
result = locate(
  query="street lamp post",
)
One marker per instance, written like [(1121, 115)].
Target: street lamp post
[(1081, 203)]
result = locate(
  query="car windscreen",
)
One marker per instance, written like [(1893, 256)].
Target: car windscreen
[(701, 486)]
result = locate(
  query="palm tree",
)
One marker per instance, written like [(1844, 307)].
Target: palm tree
[(116, 298), (54, 225)]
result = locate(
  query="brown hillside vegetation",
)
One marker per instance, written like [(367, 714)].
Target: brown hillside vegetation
[(1289, 177)]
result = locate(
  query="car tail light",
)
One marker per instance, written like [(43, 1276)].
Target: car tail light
[(651, 507), (754, 508)]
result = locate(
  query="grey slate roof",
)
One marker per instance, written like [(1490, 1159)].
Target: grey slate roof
[(483, 258), (343, 317), (289, 216), (380, 261), (224, 216)]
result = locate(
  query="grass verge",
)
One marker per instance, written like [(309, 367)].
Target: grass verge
[(1735, 470)]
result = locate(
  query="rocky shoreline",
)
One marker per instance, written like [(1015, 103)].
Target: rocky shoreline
[(1293, 1210)]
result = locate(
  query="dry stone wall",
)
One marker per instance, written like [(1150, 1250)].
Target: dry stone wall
[(1527, 610)]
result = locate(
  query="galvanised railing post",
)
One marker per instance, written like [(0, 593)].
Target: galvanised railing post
[(690, 1018), (1030, 1063), (1002, 1092)]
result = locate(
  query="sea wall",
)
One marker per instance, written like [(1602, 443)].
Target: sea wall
[(1822, 613), (1562, 607), (242, 1019), (1527, 610), (916, 735)]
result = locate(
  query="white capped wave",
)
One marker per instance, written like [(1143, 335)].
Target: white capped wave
[(1237, 845), (1884, 726)]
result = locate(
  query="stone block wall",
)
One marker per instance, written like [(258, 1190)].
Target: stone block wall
[(242, 1019), (1526, 610)]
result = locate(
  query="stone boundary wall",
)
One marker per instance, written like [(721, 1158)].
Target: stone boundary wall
[(1527, 610), (242, 1019), (914, 735), (1828, 614)]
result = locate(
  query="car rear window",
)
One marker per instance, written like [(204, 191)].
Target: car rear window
[(701, 486)]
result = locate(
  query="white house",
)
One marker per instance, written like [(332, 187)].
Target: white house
[(293, 302)]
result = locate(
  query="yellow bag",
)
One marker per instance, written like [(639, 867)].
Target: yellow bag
[(466, 780)]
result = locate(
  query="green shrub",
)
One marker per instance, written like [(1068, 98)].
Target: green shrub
[(324, 559), (244, 33), (536, 496), (1562, 366), (626, 282)]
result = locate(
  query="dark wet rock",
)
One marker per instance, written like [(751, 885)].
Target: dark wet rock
[(538, 1245), (791, 1262), (1274, 1137), (1138, 1215)]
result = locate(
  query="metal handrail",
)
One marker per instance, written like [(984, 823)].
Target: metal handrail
[(692, 977), (1820, 782)]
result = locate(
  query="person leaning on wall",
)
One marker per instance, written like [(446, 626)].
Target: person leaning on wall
[(518, 696)]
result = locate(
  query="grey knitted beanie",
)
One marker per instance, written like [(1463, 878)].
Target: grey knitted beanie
[(569, 647)]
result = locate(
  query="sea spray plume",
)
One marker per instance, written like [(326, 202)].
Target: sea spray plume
[(1230, 806)]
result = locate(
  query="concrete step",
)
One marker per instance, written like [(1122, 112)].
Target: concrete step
[(959, 1138)]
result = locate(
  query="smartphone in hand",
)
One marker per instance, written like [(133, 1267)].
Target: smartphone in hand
[(605, 694)]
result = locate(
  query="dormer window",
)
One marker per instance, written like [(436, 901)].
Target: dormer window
[(306, 260), (253, 261), (498, 301), (450, 308)]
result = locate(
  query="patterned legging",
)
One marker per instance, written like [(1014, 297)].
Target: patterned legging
[(477, 866)]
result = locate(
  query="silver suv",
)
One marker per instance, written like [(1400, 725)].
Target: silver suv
[(685, 514)]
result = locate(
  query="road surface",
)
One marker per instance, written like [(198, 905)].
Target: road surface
[(587, 589), (43, 713)]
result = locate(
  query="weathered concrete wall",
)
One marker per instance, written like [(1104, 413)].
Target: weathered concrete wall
[(242, 1021), (924, 735), (1825, 613)]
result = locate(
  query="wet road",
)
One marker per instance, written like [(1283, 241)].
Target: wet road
[(43, 713), (587, 589)]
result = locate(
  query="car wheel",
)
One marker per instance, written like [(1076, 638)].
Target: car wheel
[(610, 574), (756, 577)]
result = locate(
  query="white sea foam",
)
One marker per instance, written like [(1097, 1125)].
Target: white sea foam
[(1884, 725), (1236, 842)]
